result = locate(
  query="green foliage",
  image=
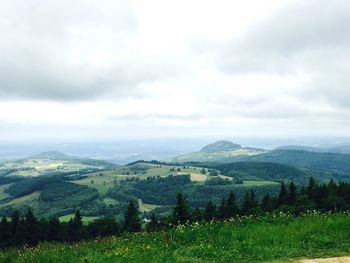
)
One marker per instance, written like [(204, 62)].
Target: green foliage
[(262, 170), (313, 160), (132, 221), (181, 212), (264, 239), (218, 181)]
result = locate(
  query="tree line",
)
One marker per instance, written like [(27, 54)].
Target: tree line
[(28, 230)]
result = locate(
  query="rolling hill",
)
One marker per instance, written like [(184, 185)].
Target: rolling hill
[(216, 152), (52, 163)]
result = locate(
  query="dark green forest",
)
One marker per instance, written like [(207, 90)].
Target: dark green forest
[(27, 229)]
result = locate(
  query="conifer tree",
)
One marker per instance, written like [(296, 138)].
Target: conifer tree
[(231, 208), (210, 211), (131, 220), (197, 215), (266, 204), (181, 211), (5, 233), (75, 227), (292, 197), (31, 228), (54, 230), (283, 195), (222, 210)]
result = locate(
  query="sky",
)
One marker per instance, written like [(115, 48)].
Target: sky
[(159, 68)]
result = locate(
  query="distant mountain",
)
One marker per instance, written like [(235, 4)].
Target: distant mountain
[(216, 152), (53, 163), (221, 146), (345, 148), (53, 155), (313, 160), (298, 148)]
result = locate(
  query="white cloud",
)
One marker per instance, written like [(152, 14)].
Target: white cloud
[(186, 68)]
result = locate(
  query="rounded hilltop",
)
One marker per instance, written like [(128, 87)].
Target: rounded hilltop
[(220, 146)]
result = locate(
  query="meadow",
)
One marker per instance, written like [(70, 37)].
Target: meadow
[(273, 238)]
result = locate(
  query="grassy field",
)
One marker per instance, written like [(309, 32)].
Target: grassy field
[(146, 207), (249, 183), (37, 167), (3, 189), (29, 200), (102, 181), (85, 219), (269, 239)]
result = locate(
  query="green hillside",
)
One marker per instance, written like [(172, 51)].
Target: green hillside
[(219, 156), (52, 163), (106, 192), (263, 171), (267, 239), (312, 160)]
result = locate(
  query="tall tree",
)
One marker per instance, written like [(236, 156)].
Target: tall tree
[(197, 215), (222, 213), (31, 228), (249, 202), (292, 197), (54, 232), (75, 227), (231, 208), (210, 211), (131, 220), (266, 204), (181, 212), (5, 233), (283, 195)]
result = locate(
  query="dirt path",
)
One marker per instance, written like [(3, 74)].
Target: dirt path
[(326, 260)]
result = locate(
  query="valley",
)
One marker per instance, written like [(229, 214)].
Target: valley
[(56, 184)]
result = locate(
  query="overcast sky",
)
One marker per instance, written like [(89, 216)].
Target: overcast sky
[(115, 69)]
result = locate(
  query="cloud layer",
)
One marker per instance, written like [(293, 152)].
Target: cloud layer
[(184, 67)]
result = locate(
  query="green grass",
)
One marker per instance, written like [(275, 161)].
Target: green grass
[(3, 189), (268, 239), (146, 207), (30, 200), (257, 183)]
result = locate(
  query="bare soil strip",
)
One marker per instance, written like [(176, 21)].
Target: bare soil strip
[(326, 260)]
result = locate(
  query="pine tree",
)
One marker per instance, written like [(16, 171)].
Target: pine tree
[(222, 213), (210, 211), (181, 211), (31, 228), (249, 202), (292, 197), (54, 230), (246, 204), (283, 195), (231, 208), (131, 220), (5, 233), (311, 188), (75, 227), (16, 229), (266, 204), (197, 215), (15, 222)]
